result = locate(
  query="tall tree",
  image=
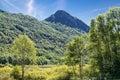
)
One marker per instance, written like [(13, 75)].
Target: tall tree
[(24, 48), (113, 18), (106, 29), (70, 57), (75, 53)]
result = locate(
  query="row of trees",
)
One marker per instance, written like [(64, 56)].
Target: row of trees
[(102, 46)]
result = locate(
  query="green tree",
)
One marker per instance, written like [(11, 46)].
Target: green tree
[(75, 52), (104, 37), (24, 49), (70, 57)]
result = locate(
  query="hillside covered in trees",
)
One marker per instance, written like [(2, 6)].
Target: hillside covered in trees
[(50, 38)]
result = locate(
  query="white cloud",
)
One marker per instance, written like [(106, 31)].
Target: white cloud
[(30, 8)]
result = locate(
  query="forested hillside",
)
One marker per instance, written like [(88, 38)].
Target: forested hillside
[(50, 38)]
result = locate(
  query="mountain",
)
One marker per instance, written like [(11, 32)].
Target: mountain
[(65, 18), (50, 38)]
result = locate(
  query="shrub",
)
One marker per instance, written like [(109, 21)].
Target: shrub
[(1, 65), (35, 76), (16, 73), (59, 73), (5, 73)]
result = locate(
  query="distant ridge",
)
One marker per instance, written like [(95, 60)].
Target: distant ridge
[(1, 10), (65, 18)]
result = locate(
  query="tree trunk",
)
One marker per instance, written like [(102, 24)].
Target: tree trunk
[(23, 71), (80, 68)]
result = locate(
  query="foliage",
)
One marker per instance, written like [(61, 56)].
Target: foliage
[(16, 73), (25, 51), (5, 73), (75, 52), (49, 38), (36, 73), (102, 45), (105, 39)]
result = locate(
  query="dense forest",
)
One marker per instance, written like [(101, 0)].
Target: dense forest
[(27, 45), (50, 38)]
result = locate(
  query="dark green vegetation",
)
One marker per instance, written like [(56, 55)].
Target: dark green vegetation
[(105, 43), (76, 53), (50, 39), (102, 47)]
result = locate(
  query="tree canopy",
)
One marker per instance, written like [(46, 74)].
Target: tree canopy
[(25, 51)]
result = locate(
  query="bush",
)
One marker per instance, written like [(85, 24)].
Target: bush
[(59, 73), (35, 76), (1, 65), (5, 73), (49, 72), (16, 73)]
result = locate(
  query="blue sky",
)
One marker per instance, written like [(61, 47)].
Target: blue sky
[(85, 10)]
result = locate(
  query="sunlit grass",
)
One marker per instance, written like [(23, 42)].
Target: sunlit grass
[(50, 72)]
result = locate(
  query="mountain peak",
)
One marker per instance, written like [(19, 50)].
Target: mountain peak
[(61, 12), (65, 18)]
